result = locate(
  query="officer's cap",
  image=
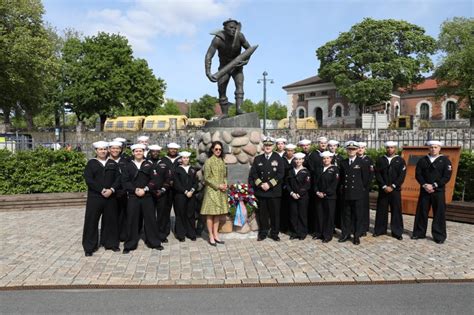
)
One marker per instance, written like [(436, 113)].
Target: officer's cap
[(352, 144)]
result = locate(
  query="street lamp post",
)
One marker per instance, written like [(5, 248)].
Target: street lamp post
[(264, 80)]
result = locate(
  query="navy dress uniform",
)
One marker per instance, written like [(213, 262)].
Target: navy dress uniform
[(271, 170), (285, 224), (389, 172), (366, 200), (139, 175), (355, 177), (326, 184), (298, 184), (185, 180), (99, 176), (164, 218), (435, 171), (336, 161)]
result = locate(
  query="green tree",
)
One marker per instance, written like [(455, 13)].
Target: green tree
[(455, 73), (375, 57), (204, 108), (27, 59), (169, 108)]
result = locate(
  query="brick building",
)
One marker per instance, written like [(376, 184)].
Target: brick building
[(319, 98)]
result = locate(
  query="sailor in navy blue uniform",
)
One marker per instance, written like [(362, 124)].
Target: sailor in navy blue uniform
[(266, 178), (298, 186), (433, 172), (366, 204), (185, 185), (390, 172), (102, 177), (337, 159), (355, 178), (280, 146), (137, 180), (305, 145), (172, 161), (289, 162), (325, 188)]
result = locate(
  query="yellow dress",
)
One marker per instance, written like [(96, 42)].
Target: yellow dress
[(215, 201)]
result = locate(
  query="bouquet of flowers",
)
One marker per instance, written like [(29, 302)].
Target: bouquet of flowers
[(242, 202)]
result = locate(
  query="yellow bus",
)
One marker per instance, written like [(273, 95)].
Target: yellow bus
[(197, 122), (301, 123), (124, 123), (162, 122)]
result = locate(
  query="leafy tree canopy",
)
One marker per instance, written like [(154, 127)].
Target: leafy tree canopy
[(204, 107), (375, 57), (455, 73)]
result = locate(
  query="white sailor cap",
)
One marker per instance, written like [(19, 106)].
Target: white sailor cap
[(154, 147), (299, 155), (391, 144), (333, 142), (304, 142), (326, 153), (434, 142), (290, 146), (362, 144), (280, 140), (100, 144), (123, 140), (185, 154), (351, 144), (115, 144), (143, 138), (138, 146), (173, 145), (322, 139)]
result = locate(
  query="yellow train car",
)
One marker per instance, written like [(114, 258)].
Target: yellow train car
[(197, 122), (162, 122), (301, 123), (124, 123)]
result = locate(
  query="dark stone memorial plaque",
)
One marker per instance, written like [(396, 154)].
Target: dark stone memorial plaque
[(238, 173)]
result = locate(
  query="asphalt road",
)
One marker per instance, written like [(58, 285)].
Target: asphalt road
[(350, 299)]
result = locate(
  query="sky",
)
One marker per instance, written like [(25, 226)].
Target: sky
[(173, 35)]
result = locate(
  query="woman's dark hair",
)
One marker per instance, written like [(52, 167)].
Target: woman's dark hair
[(211, 150)]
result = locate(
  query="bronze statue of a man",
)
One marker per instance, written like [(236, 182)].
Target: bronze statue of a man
[(228, 42)]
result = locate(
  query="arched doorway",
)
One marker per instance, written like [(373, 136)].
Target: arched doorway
[(319, 116)]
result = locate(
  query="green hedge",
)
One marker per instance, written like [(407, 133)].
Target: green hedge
[(41, 171)]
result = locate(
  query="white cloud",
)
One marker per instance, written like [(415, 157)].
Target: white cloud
[(143, 20)]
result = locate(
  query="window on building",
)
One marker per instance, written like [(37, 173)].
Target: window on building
[(109, 125), (338, 111), (161, 124), (300, 97), (312, 94), (424, 111), (130, 123), (149, 124), (324, 92), (301, 113), (338, 95), (119, 125), (450, 110)]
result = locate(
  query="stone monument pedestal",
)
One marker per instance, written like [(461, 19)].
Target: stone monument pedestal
[(248, 120)]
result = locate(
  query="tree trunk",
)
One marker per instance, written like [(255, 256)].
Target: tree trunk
[(29, 120), (6, 120), (103, 118)]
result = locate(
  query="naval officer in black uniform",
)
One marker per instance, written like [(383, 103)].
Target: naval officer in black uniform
[(433, 172), (355, 178), (266, 177), (390, 172)]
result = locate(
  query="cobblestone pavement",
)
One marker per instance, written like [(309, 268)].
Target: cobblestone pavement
[(44, 248)]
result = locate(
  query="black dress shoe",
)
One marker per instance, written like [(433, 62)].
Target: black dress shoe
[(193, 239), (356, 241), (88, 254), (212, 244), (126, 251), (294, 237), (165, 240), (439, 241), (181, 239), (115, 249), (344, 239), (302, 238), (275, 238), (159, 247), (398, 237), (261, 238), (376, 235), (326, 240), (416, 237), (363, 234), (219, 242)]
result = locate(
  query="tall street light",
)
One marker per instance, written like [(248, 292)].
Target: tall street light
[(264, 80)]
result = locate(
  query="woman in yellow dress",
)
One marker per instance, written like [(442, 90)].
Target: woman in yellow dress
[(214, 205)]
